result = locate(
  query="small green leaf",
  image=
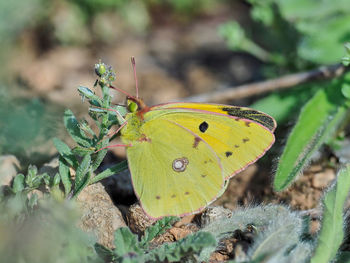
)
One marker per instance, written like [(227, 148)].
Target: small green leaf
[(346, 61), (82, 151), (85, 182), (32, 177), (56, 179), (74, 130), (18, 183), (82, 171), (347, 48), (100, 155), (345, 90), (332, 233), (158, 228), (65, 152), (119, 167), (86, 92), (63, 169), (126, 242)]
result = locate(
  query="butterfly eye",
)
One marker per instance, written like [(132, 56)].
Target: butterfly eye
[(132, 106)]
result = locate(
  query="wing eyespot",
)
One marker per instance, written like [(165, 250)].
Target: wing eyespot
[(180, 164)]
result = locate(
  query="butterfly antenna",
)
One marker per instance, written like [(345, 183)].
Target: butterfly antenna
[(122, 91), (135, 76)]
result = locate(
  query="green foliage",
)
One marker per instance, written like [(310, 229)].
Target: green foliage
[(88, 155), (317, 124), (26, 127), (283, 236), (33, 180), (237, 40), (329, 17), (130, 249), (36, 230), (332, 230), (295, 33), (36, 226), (277, 231), (12, 21)]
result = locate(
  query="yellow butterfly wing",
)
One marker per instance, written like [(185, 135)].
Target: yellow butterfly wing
[(226, 110), (170, 177), (239, 136)]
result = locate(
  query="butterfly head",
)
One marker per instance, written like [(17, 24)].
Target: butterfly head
[(135, 104)]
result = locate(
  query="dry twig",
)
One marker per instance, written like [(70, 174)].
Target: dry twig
[(247, 90)]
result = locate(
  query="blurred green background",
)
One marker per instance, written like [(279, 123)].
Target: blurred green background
[(49, 47)]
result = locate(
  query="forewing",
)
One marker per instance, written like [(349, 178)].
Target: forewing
[(237, 141), (228, 110), (163, 186)]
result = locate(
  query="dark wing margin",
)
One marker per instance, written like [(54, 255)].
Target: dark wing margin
[(253, 115)]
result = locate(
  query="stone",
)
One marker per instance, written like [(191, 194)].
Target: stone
[(9, 165), (99, 214), (322, 179)]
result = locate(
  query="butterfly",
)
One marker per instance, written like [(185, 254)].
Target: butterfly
[(181, 155)]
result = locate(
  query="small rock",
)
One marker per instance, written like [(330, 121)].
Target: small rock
[(100, 215), (180, 233), (315, 168), (138, 221), (9, 165), (212, 214), (322, 179)]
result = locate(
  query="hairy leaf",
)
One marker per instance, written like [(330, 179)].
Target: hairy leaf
[(18, 183), (63, 169), (332, 232), (82, 174), (74, 129), (65, 152), (100, 155), (317, 123), (126, 243)]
